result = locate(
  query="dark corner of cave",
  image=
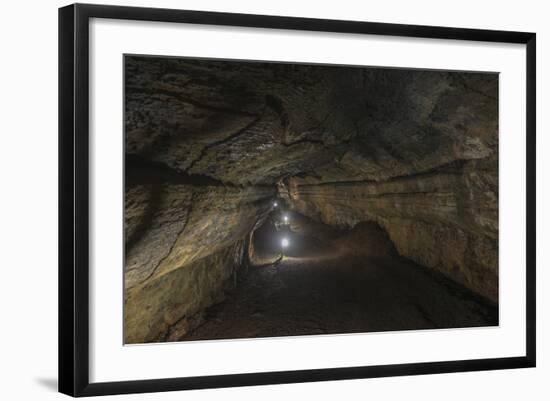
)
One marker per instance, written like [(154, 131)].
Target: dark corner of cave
[(272, 199)]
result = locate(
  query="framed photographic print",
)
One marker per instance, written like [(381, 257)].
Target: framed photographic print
[(250, 199)]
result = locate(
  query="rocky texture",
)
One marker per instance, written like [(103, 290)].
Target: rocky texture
[(181, 236), (446, 219), (340, 282), (209, 143), (172, 301)]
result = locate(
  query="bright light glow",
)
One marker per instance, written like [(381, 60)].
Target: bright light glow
[(286, 219), (274, 204), (284, 242)]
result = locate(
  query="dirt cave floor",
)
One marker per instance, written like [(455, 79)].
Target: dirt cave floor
[(325, 286)]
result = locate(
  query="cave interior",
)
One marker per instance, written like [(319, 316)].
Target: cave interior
[(274, 199)]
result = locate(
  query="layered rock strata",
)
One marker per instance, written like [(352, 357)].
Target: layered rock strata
[(210, 143)]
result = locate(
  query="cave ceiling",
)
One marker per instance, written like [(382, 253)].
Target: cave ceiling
[(259, 123)]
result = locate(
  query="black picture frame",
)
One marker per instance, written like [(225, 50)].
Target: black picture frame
[(74, 191)]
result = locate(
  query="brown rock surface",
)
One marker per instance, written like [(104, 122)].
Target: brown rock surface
[(182, 236), (447, 219), (210, 143)]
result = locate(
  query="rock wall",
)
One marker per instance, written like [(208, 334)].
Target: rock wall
[(445, 219), (209, 143), (425, 167), (173, 301), (184, 240)]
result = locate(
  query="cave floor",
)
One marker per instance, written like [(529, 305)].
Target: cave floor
[(324, 292)]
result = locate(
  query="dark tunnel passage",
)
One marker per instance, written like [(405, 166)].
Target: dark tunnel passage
[(266, 200), (327, 281)]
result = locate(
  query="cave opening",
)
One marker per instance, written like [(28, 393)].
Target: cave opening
[(273, 199)]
